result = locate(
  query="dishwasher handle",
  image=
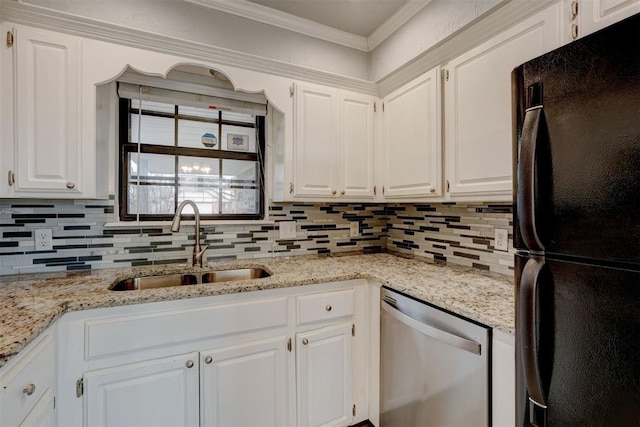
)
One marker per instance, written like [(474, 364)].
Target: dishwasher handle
[(435, 333)]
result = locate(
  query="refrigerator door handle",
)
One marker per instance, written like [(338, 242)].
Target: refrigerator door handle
[(528, 329), (526, 178)]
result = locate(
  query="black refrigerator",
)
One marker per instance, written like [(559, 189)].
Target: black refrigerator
[(576, 114)]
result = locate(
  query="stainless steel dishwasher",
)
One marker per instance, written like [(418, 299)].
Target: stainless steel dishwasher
[(434, 366)]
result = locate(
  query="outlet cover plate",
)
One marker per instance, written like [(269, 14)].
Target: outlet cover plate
[(287, 229), (42, 239), (501, 239), (354, 229)]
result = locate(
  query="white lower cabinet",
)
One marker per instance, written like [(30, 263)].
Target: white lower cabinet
[(160, 392), (324, 376), (245, 384), (27, 386), (503, 379), (279, 358)]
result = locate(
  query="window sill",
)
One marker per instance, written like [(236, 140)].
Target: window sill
[(203, 223)]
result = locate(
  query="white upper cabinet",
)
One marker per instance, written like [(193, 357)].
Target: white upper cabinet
[(49, 157), (333, 144), (355, 131), (411, 141), (478, 118), (316, 141), (597, 14)]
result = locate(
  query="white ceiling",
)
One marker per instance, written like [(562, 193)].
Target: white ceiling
[(361, 17), (358, 24)]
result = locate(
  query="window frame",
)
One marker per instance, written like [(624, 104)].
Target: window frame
[(125, 147)]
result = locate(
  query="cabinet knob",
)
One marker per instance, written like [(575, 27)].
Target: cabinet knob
[(208, 360), (189, 364), (334, 192), (70, 185), (29, 389), (432, 190), (328, 307), (305, 341), (342, 193)]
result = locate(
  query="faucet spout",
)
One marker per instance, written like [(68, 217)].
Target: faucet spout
[(198, 251)]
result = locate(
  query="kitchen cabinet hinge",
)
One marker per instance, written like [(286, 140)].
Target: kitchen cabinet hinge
[(11, 178), (574, 9), (383, 190), (9, 39), (383, 107), (446, 75), (289, 345), (375, 190), (574, 31), (291, 91), (353, 330), (54, 402), (448, 186), (291, 188), (353, 410), (80, 387)]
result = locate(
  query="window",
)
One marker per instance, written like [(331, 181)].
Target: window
[(170, 152)]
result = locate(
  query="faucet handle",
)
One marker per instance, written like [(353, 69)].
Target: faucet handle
[(202, 249)]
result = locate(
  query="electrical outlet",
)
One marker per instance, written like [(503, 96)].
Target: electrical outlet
[(501, 239), (354, 229), (287, 229), (42, 240)]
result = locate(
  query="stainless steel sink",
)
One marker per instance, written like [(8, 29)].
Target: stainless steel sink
[(166, 281), (151, 282), (236, 274)]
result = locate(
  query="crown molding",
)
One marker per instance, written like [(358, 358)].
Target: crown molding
[(20, 13), (267, 15), (395, 21)]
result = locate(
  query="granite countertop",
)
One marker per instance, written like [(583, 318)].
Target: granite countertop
[(30, 303)]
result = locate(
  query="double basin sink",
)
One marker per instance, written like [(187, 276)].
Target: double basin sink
[(167, 281)]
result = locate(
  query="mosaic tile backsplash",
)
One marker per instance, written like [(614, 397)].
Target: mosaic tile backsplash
[(454, 233)]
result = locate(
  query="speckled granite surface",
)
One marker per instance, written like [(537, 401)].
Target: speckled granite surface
[(30, 303)]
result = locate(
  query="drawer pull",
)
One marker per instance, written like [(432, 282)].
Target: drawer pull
[(328, 307), (189, 364), (208, 360), (305, 341), (29, 390)]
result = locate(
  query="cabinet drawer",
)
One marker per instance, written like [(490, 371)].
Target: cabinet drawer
[(113, 335), (33, 369), (325, 306)]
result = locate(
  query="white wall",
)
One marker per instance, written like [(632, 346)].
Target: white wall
[(437, 21), (187, 21)]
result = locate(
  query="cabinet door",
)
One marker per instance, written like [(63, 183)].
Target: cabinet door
[(597, 14), (412, 139), (48, 146), (355, 126), (324, 376), (316, 141), (246, 384), (478, 106), (160, 392)]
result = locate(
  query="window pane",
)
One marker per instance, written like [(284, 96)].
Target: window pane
[(208, 113), (155, 130), (238, 117), (192, 134), (151, 199), (240, 187), (154, 106), (199, 181), (237, 138), (152, 168)]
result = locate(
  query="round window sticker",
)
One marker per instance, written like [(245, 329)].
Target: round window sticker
[(209, 140)]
